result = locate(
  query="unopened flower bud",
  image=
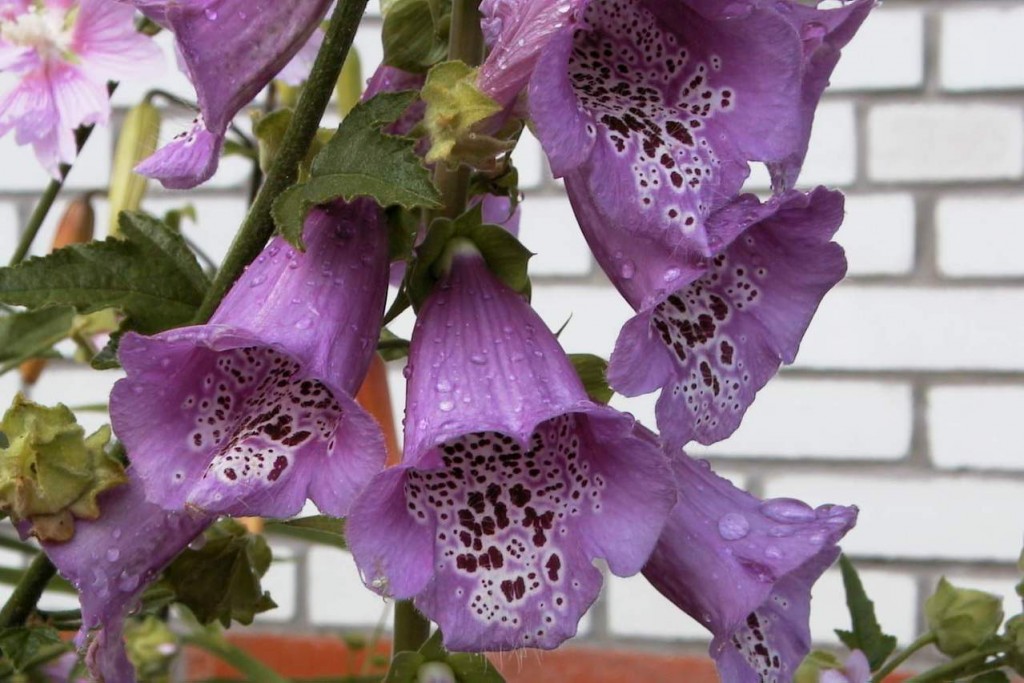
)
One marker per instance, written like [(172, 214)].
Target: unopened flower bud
[(1015, 651), (962, 618), (435, 672), (151, 647), (138, 139), (50, 472)]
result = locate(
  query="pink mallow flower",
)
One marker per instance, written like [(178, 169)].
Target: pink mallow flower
[(61, 55)]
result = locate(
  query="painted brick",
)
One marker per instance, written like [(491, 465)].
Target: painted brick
[(281, 581), (918, 516), (43, 243), (921, 328), (10, 230), (878, 234), (886, 53), (548, 228), (171, 79), (894, 595), (369, 48), (217, 219), (637, 610), (975, 427), (925, 142), (337, 595), (981, 236), (980, 48), (797, 418), (832, 152), (76, 385), (21, 172), (997, 583), (528, 157), (598, 312)]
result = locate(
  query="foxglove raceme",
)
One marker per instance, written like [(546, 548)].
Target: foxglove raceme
[(111, 561), (744, 569), (252, 413), (61, 54), (713, 343), (513, 480), (651, 110), (230, 49)]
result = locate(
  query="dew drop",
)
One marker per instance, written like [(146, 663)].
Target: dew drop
[(444, 385), (113, 554), (733, 526), (773, 553), (478, 359), (304, 324), (407, 371), (670, 274), (211, 14), (446, 406), (627, 270), (258, 280), (787, 510)]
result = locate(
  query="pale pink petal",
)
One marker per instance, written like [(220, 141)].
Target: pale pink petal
[(108, 45)]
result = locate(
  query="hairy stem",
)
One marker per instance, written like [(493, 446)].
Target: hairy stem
[(259, 223), (27, 593), (924, 641), (411, 628)]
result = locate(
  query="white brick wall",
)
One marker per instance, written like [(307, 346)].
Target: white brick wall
[(890, 406)]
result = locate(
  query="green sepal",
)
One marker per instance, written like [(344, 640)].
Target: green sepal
[(317, 529), (455, 110), (467, 667), (269, 130), (151, 276), (991, 677), (151, 648), (415, 33), (28, 647), (867, 635), (962, 618), (50, 472), (814, 664), (231, 564), (404, 666), (360, 160), (593, 373), (392, 347), (505, 255), (1015, 643)]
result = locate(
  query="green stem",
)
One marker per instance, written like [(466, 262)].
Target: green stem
[(924, 641), (411, 628), (27, 593), (316, 95), (951, 669), (253, 669)]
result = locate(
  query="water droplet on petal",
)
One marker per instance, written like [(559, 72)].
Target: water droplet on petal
[(446, 406), (478, 359), (113, 554), (670, 274), (211, 14), (444, 385), (733, 526), (787, 510), (258, 280), (773, 553), (304, 324), (627, 270)]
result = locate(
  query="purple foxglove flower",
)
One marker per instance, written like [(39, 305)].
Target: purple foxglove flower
[(513, 480), (61, 55), (744, 568), (651, 110), (711, 344), (856, 670), (250, 41), (252, 413), (111, 560), (296, 72)]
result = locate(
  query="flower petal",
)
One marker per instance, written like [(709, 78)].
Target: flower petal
[(191, 158), (109, 47), (727, 332), (112, 560), (744, 569)]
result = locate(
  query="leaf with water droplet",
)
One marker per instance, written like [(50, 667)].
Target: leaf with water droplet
[(867, 634), (361, 161)]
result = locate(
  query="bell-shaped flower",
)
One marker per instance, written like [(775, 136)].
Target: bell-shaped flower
[(111, 561), (230, 50), (513, 480), (744, 568), (61, 54), (652, 110), (711, 344), (252, 413)]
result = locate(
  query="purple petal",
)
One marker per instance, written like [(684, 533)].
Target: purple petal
[(112, 560), (744, 568), (252, 413), (188, 160), (250, 40), (726, 333), (513, 481)]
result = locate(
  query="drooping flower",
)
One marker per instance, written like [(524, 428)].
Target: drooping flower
[(744, 569), (111, 561), (61, 54), (513, 481), (249, 40), (711, 344), (652, 110), (252, 413)]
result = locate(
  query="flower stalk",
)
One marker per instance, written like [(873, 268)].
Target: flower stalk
[(27, 593), (894, 663), (259, 223)]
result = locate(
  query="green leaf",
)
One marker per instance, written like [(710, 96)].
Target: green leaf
[(992, 677), (474, 668), (414, 34), (231, 564), (391, 346), (23, 335), (318, 529), (592, 371), (23, 647), (361, 160), (150, 275), (867, 635)]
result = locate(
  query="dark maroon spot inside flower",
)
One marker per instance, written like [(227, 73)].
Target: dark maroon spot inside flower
[(553, 565), (280, 463)]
